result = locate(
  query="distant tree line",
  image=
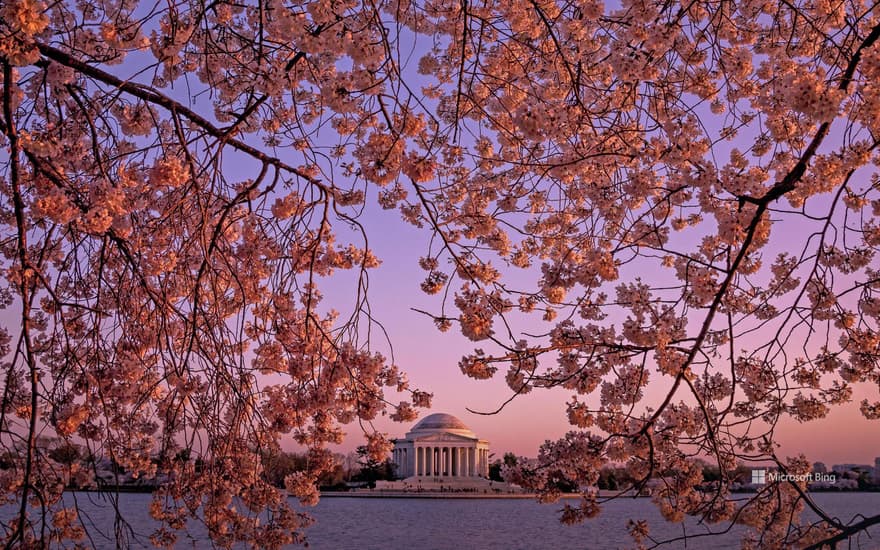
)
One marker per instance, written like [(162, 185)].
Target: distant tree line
[(356, 467), (617, 478)]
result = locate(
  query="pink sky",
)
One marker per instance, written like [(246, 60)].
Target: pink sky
[(430, 358)]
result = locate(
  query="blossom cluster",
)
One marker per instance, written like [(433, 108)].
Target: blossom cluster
[(676, 193)]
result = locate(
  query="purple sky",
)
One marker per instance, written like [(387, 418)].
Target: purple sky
[(430, 358)]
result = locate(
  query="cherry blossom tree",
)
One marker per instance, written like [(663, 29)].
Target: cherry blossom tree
[(165, 313), (681, 195)]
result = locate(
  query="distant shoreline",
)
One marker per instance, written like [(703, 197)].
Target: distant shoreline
[(375, 493), (603, 494), (434, 494), (367, 493)]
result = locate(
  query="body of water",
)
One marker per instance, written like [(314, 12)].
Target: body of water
[(344, 523), (355, 523)]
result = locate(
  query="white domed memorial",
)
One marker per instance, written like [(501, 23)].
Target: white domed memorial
[(441, 446)]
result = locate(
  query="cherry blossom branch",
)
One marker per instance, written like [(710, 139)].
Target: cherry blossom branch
[(151, 96), (26, 290)]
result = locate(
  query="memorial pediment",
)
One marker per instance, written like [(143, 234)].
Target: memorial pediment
[(447, 437)]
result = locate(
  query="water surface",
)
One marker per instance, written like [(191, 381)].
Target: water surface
[(344, 523)]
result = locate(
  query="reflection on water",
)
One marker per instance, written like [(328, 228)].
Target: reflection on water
[(426, 524)]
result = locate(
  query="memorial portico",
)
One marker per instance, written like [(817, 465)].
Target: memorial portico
[(441, 446)]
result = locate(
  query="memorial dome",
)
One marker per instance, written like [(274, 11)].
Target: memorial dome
[(442, 423)]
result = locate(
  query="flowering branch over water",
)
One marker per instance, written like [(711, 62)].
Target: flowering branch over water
[(667, 209)]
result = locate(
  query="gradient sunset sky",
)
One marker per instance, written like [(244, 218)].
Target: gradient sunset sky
[(430, 358)]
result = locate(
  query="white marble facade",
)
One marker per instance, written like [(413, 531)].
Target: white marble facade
[(441, 446)]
